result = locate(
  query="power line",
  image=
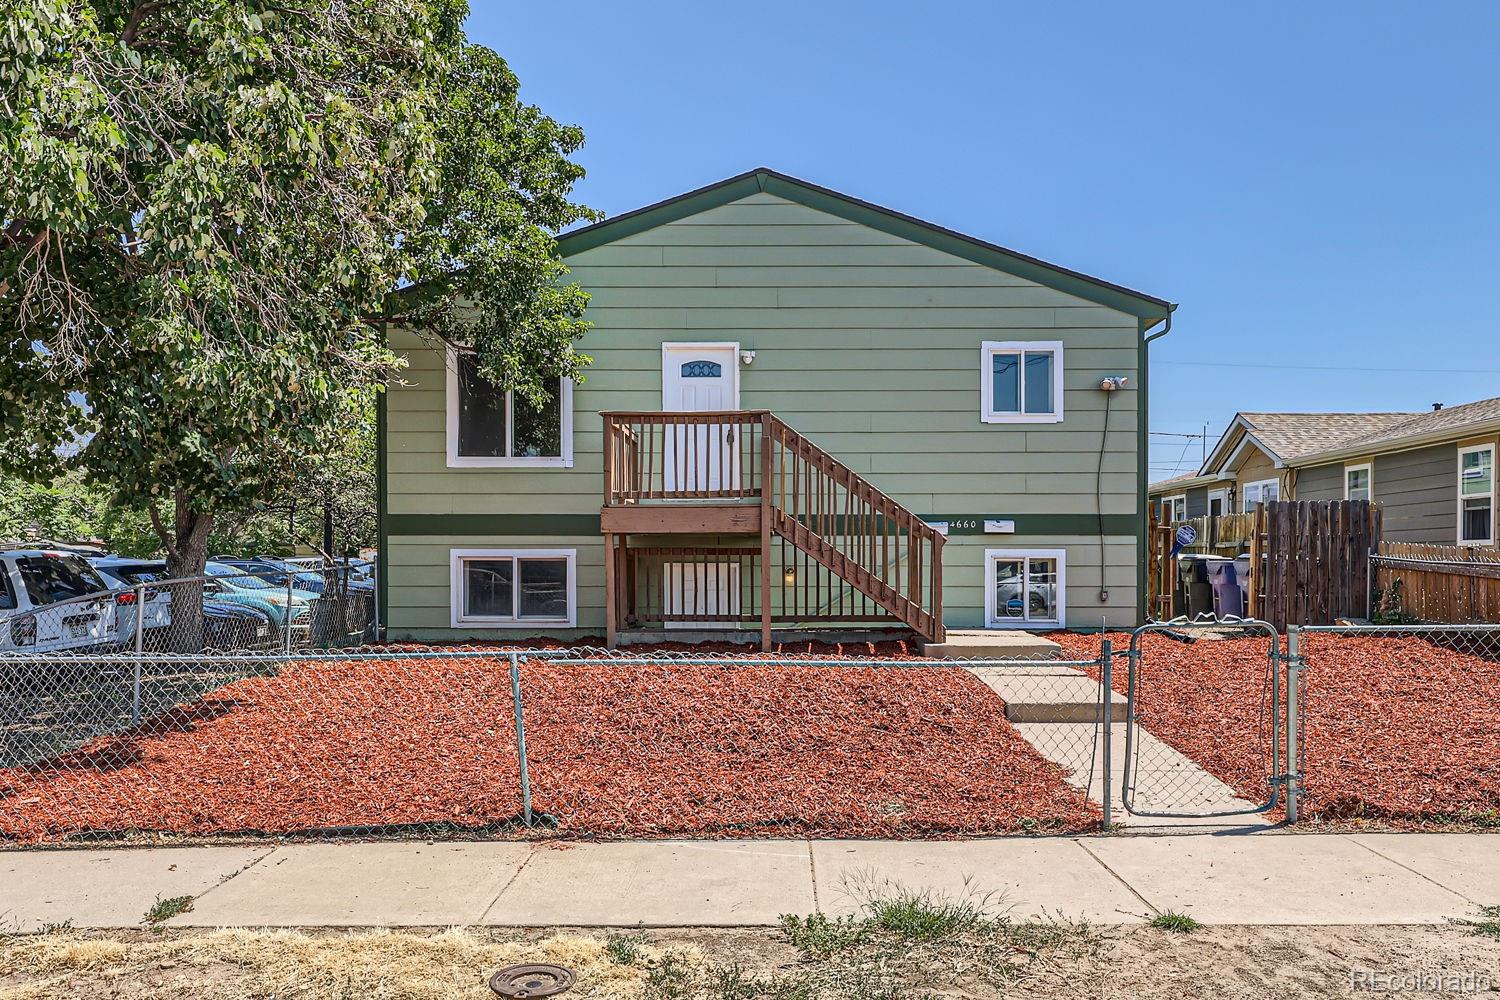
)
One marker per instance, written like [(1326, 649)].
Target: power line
[(1332, 368)]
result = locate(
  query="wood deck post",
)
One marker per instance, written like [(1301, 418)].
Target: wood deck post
[(611, 587), (765, 533)]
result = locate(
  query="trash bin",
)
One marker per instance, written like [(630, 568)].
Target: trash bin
[(1194, 590), (1229, 590)]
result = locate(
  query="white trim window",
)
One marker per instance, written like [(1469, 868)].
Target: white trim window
[(1021, 382), (1025, 588), (1476, 495), (1174, 509), (1218, 502), (1359, 481), (494, 428), (513, 588), (1260, 491)]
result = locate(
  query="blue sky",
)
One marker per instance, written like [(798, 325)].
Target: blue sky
[(1317, 185)]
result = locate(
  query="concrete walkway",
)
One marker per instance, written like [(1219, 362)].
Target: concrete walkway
[(1258, 878)]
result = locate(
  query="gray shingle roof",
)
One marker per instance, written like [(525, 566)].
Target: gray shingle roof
[(1295, 435)]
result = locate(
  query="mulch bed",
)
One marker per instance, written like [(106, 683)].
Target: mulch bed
[(1397, 729), (615, 751)]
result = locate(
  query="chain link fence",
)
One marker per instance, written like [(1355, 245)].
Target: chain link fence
[(1401, 724), (58, 604), (573, 742)]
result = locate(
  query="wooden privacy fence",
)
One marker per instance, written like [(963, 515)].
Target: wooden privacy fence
[(1310, 561), (1439, 583)]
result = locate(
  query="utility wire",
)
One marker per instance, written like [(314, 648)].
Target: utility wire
[(1331, 368)]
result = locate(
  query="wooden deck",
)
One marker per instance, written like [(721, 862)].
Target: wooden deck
[(821, 546)]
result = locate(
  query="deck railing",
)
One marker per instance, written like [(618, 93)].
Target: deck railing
[(836, 548)]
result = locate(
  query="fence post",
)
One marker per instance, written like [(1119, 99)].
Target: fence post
[(140, 649), (524, 764), (286, 632), (1293, 668), (1107, 654)]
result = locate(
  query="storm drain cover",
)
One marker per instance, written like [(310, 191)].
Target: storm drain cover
[(531, 981)]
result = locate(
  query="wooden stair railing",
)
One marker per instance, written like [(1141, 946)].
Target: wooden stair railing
[(830, 512), (808, 499)]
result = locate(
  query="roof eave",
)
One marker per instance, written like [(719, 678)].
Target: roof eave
[(1450, 434)]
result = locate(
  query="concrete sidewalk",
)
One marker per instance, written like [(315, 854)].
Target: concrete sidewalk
[(1219, 879)]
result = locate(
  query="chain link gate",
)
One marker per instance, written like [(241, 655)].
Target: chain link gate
[(1209, 736)]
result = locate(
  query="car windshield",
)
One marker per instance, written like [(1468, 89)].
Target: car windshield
[(135, 574), (53, 578), (238, 577)]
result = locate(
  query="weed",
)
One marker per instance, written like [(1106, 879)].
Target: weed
[(819, 936), (1177, 923), (165, 909), (668, 979), (925, 915), (624, 949), (57, 928), (1487, 924)]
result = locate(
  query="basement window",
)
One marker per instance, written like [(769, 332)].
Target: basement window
[(1021, 382), (513, 588), (1025, 588), (491, 427), (1476, 495)]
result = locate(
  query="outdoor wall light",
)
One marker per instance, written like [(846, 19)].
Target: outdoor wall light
[(789, 577), (746, 357)]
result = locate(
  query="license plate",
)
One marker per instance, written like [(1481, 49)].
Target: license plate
[(78, 627)]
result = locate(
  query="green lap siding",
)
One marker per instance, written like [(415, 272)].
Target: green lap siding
[(865, 342)]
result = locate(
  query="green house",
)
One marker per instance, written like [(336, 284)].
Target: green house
[(805, 411)]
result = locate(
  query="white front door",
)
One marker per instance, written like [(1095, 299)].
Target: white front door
[(698, 378)]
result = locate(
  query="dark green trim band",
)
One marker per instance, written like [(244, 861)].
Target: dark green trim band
[(886, 220), (588, 524)]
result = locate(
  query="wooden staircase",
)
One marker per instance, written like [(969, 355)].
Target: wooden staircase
[(837, 549)]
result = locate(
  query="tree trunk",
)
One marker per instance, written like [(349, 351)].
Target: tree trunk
[(186, 543)]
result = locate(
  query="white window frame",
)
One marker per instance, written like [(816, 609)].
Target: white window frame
[(1459, 488), (565, 422), (1246, 506), (988, 350), (1222, 495), (992, 619), (1369, 470), (1171, 505), (456, 582)]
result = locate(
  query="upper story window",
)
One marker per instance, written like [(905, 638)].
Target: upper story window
[(1021, 382), (1358, 484), (492, 427), (1476, 495)]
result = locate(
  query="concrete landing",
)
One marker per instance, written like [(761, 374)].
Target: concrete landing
[(1047, 693), (993, 645)]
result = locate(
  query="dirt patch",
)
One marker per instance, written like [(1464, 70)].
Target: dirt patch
[(1049, 963), (615, 750), (1397, 730)]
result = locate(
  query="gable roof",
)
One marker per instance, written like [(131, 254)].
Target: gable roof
[(764, 179), (1184, 481), (1287, 437)]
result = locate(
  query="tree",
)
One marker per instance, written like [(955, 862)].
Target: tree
[(208, 209)]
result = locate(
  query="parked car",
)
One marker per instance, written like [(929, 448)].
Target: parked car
[(304, 576), (54, 601), (285, 607), (226, 624)]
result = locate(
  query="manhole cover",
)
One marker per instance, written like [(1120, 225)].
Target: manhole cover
[(531, 980)]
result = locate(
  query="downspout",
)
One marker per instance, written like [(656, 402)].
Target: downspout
[(1143, 447)]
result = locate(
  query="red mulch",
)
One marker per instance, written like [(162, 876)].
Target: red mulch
[(1397, 729), (615, 751)]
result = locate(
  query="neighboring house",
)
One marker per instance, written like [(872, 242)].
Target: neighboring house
[(1432, 472), (938, 448)]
